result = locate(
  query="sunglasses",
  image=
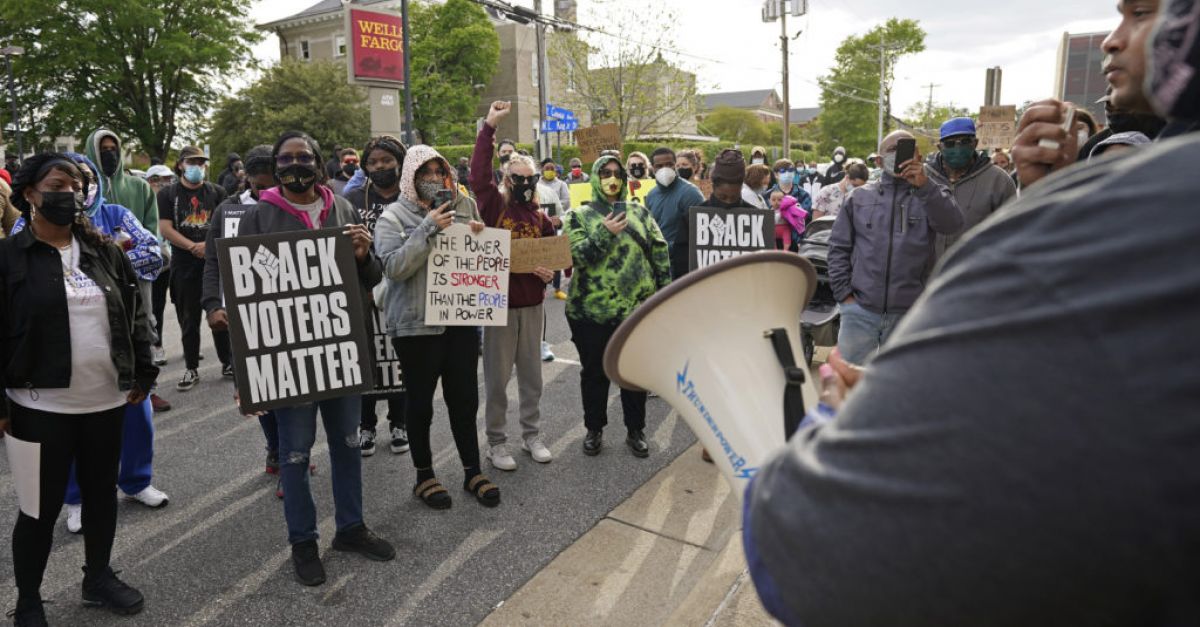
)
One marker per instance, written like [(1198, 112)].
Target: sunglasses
[(956, 142), (607, 174), (517, 179), (304, 158)]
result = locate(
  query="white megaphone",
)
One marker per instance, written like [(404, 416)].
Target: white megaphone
[(716, 345)]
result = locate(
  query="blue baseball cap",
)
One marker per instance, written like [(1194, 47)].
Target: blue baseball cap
[(957, 126)]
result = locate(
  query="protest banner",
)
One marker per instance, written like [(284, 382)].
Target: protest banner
[(594, 139), (466, 279), (638, 191), (384, 357), (551, 253), (717, 234), (997, 127), (296, 318)]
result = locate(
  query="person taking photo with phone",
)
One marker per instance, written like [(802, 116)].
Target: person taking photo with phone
[(430, 201), (620, 260), (882, 248)]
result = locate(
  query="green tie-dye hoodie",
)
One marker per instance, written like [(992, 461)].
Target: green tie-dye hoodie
[(613, 273)]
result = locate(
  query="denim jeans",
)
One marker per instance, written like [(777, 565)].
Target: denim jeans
[(270, 428), (863, 332), (297, 431)]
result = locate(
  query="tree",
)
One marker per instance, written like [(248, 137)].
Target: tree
[(143, 68), (736, 125), (625, 79), (922, 115), (455, 51), (849, 93), (294, 95)]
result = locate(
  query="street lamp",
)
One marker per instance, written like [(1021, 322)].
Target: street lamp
[(9, 52)]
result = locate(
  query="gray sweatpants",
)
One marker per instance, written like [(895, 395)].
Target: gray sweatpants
[(519, 344)]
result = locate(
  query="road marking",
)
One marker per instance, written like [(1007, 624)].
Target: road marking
[(476, 542)]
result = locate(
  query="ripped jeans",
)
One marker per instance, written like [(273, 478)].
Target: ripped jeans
[(297, 432)]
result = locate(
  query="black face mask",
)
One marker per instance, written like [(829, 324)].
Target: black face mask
[(684, 173), (297, 178), (348, 169), (637, 170), (60, 207), (523, 188), (110, 160), (384, 179), (505, 158)]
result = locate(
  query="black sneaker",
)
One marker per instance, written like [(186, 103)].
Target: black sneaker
[(307, 560), (272, 462), (399, 440), (366, 442), (359, 539), (227, 371), (189, 380), (29, 617), (105, 590), (637, 443), (592, 442)]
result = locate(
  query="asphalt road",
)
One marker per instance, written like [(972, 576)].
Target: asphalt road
[(218, 554)]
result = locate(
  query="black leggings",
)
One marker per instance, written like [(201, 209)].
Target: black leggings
[(162, 285), (93, 442), (453, 357)]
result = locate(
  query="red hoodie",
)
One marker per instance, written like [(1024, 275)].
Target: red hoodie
[(523, 219)]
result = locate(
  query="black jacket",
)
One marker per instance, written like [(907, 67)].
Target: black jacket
[(35, 345)]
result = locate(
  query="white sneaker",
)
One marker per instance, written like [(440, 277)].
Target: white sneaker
[(540, 453), (160, 356), (547, 355), (74, 518), (150, 497), (500, 458)]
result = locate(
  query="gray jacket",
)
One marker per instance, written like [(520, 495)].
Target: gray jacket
[(881, 250), (979, 193), (402, 238)]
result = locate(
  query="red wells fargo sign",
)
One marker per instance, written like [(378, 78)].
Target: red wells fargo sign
[(377, 41)]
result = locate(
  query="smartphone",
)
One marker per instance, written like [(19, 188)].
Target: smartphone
[(906, 149), (618, 211), (442, 197), (549, 208)]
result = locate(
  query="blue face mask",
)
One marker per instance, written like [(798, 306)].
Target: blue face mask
[(786, 178), (194, 173)]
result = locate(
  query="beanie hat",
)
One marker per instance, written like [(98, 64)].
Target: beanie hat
[(730, 167)]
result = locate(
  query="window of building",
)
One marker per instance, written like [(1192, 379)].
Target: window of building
[(339, 44), (304, 51)]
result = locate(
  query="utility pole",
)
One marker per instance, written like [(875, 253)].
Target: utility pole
[(929, 107), (543, 143), (787, 102), (883, 49), (408, 105)]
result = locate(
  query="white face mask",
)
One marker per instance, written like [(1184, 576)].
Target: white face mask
[(838, 158), (889, 162), (665, 176), (756, 160), (1083, 137)]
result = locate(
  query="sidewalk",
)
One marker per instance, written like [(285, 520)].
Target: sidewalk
[(669, 555)]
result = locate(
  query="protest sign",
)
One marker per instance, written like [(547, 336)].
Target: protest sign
[(467, 277), (296, 318), (594, 139), (638, 191), (551, 253), (997, 127), (717, 234), (383, 355)]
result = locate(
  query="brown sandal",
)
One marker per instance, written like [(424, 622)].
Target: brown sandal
[(433, 493), (486, 492)]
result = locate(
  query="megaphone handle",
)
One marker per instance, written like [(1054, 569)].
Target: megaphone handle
[(793, 393)]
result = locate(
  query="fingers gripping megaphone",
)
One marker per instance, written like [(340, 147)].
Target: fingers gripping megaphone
[(716, 345)]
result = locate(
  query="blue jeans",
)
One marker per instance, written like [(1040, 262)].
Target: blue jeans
[(863, 332), (137, 453), (270, 427), (297, 431)]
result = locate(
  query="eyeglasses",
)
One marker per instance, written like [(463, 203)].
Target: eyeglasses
[(956, 142), (304, 158), (784, 170), (607, 174)]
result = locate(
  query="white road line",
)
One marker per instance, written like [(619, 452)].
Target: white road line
[(474, 543)]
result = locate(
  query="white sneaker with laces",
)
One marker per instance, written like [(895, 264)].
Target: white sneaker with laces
[(74, 518), (499, 456), (547, 354), (160, 355), (537, 450), (150, 497)]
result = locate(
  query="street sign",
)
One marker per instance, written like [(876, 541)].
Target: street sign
[(559, 113), (559, 126)]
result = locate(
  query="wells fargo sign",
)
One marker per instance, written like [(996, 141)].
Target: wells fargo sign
[(376, 46)]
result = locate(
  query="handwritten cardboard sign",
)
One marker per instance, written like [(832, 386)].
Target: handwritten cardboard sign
[(594, 139), (997, 127), (467, 278), (551, 253)]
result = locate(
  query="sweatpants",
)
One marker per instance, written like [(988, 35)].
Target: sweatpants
[(452, 357), (516, 344), (93, 443), (137, 453), (186, 292), (591, 338)]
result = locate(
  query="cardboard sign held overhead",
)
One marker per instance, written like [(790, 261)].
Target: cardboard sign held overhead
[(551, 253), (594, 139), (997, 127)]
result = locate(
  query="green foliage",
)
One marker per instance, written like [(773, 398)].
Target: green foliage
[(147, 69), (849, 93), (737, 125), (921, 115), (310, 96), (454, 49)]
